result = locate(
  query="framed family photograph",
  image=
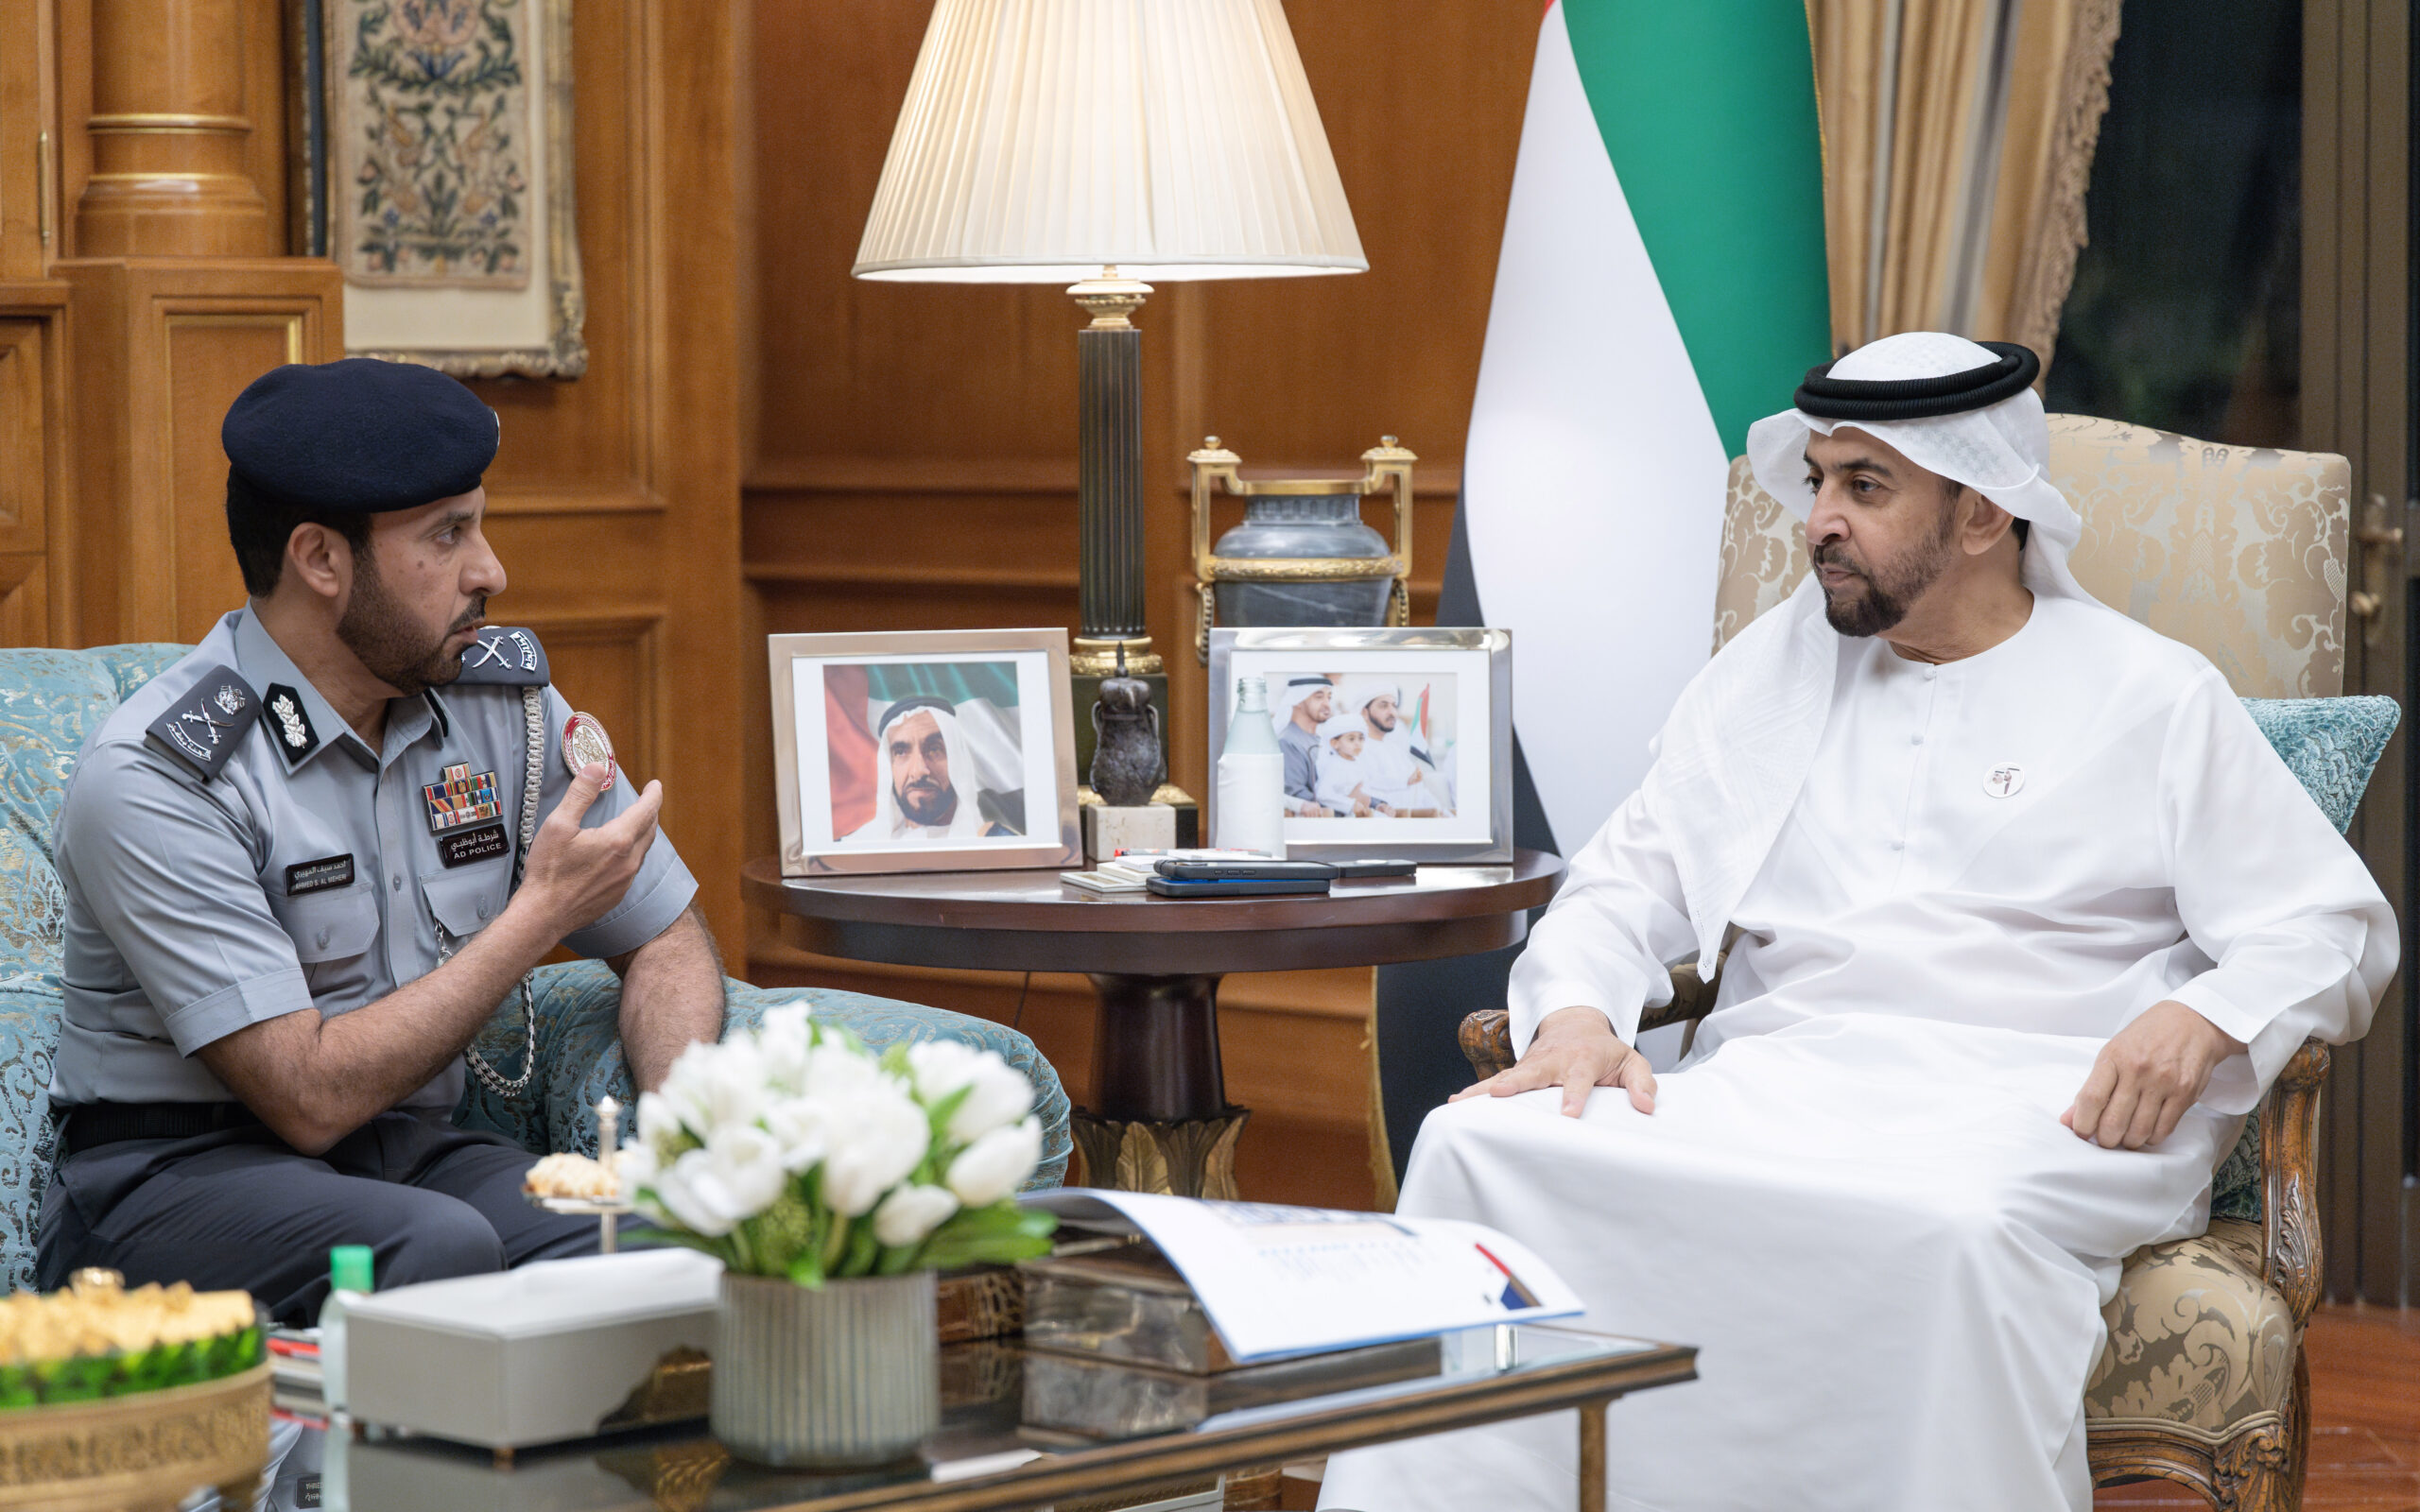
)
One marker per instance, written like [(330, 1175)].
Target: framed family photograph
[(1397, 742), (924, 751)]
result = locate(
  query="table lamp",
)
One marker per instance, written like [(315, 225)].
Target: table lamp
[(1108, 143)]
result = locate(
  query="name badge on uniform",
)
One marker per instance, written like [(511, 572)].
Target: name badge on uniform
[(319, 876), (464, 846), (459, 799)]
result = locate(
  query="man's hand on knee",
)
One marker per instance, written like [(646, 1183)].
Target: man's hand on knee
[(2148, 1078), (1577, 1050)]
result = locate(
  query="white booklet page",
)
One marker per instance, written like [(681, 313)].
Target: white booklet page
[(1279, 1281)]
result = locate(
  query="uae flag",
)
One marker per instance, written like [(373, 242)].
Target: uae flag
[(1660, 288)]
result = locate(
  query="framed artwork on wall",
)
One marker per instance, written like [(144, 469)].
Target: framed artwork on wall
[(1397, 741), (924, 751), (433, 163)]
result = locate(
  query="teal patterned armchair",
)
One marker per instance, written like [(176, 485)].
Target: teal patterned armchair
[(51, 701)]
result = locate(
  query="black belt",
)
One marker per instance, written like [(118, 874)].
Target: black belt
[(93, 1123)]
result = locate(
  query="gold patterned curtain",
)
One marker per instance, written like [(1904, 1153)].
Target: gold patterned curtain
[(1957, 139)]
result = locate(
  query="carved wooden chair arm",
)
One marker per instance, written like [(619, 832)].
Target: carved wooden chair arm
[(1487, 1042), (2289, 1180), (1487, 1035)]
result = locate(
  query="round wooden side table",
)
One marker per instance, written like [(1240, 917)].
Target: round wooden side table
[(1158, 1119)]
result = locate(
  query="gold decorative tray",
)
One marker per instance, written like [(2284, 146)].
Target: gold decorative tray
[(142, 1453)]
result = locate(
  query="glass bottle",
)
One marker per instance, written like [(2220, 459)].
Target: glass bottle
[(1251, 777)]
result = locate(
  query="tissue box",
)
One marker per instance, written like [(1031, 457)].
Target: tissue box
[(562, 1348)]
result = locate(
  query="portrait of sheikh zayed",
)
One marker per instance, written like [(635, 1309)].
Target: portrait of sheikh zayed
[(924, 752)]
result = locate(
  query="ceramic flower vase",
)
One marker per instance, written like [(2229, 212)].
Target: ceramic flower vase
[(838, 1378)]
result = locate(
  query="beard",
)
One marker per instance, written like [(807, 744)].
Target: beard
[(1890, 591), (1384, 726), (390, 643), (928, 804)]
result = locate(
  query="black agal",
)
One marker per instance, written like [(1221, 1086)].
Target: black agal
[(503, 654), (1855, 399)]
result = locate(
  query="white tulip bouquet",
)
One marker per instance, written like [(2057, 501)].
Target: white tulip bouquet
[(793, 1150)]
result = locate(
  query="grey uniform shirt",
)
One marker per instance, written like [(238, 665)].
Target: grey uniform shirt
[(1301, 751), (306, 873)]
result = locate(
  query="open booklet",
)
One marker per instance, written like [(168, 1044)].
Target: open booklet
[(1280, 1282)]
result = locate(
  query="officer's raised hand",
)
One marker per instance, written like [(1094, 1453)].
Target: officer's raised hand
[(574, 874)]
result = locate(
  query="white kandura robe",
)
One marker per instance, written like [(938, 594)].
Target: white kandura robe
[(1855, 1195), (1401, 779)]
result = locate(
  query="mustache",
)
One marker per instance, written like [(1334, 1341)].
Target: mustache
[(1833, 554), (476, 614)]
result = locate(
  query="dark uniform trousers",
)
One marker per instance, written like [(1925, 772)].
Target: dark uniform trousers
[(241, 1209)]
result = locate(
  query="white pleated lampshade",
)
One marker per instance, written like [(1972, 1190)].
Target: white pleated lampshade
[(1042, 140)]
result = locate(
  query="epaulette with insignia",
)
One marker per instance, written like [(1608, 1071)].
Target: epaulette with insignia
[(506, 654), (203, 727)]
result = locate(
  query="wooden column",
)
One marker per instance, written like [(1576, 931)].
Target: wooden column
[(170, 246), (169, 134)]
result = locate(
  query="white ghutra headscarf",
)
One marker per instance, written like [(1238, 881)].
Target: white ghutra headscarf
[(889, 822), (1730, 761)]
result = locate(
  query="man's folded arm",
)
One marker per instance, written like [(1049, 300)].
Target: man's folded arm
[(2302, 940), (1603, 942)]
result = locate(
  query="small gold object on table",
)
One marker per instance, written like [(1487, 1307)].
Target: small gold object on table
[(579, 1186), (127, 1445)]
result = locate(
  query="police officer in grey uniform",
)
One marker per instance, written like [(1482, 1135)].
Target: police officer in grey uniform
[(296, 888)]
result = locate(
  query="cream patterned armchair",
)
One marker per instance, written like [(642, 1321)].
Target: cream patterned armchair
[(2240, 553)]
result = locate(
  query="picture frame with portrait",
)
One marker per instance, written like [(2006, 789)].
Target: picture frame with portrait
[(924, 751), (1398, 742)]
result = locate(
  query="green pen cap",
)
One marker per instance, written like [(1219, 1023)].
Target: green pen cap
[(349, 1267)]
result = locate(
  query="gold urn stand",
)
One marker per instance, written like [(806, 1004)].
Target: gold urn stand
[(142, 1453)]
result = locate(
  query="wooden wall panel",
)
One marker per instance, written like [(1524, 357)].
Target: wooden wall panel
[(211, 356), (25, 471), (24, 599), (613, 500), (24, 120), (37, 497), (910, 456), (595, 443), (161, 349), (608, 667)]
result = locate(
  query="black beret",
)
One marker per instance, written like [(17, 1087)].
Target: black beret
[(358, 437)]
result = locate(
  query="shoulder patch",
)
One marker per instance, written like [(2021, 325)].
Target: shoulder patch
[(203, 727), (508, 655)]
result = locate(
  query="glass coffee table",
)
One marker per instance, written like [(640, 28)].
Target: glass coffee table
[(985, 1458)]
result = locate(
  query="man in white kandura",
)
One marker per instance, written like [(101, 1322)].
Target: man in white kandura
[(1401, 773), (2029, 916), (1300, 706), (1343, 784), (927, 781)]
